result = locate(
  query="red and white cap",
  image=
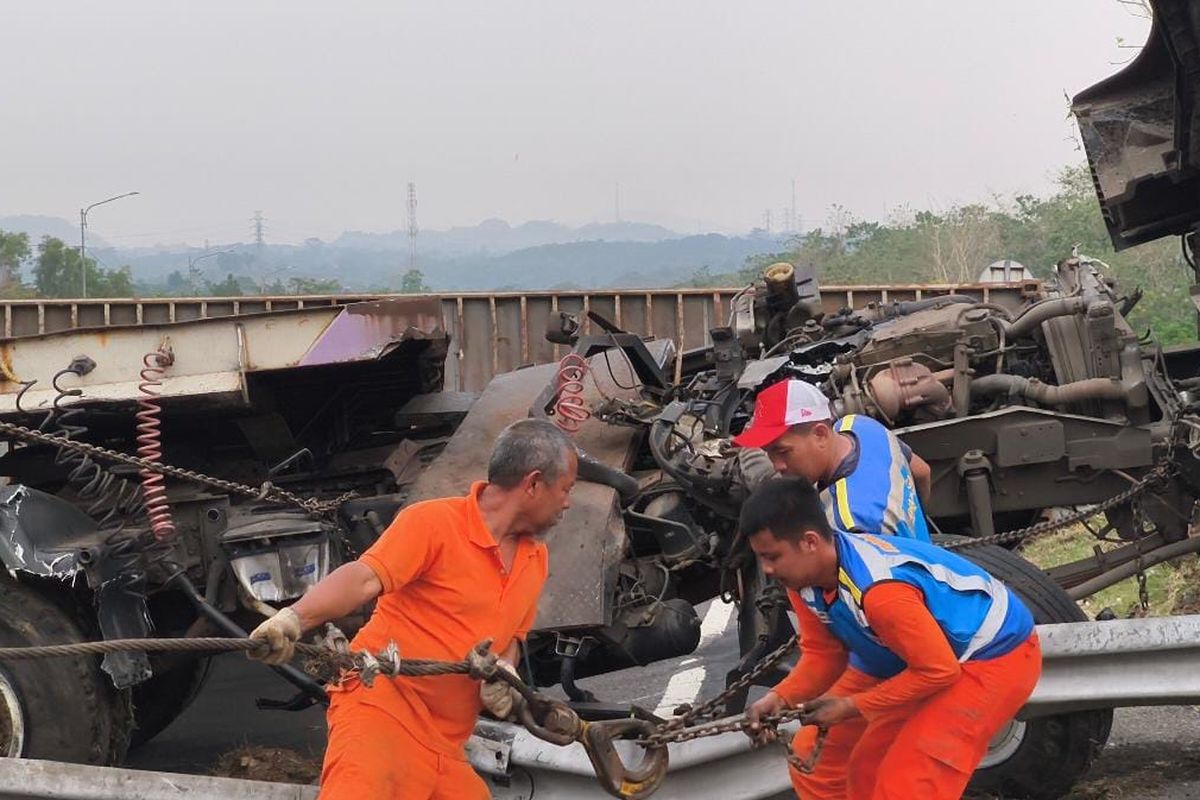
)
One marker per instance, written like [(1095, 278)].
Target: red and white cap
[(781, 406)]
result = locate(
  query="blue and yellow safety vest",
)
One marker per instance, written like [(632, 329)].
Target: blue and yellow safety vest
[(879, 496), (980, 616)]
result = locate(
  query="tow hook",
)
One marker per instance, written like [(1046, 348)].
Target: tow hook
[(618, 779)]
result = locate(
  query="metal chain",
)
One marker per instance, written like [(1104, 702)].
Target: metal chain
[(730, 725), (1143, 591), (683, 728), (1148, 481), (267, 492)]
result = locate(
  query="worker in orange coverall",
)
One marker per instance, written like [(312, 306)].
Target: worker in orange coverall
[(448, 574), (947, 653)]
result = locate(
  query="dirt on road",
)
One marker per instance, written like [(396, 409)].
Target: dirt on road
[(276, 764)]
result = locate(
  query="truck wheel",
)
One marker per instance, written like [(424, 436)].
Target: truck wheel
[(63, 709), (1041, 758), (160, 700)]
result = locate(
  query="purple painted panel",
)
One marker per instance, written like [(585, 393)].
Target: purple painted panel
[(367, 331)]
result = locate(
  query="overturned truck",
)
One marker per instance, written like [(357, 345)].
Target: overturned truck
[(185, 474), (184, 478)]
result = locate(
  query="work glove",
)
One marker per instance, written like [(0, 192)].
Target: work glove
[(280, 633), (498, 697)]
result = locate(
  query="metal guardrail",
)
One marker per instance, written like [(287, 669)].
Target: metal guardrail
[(1135, 662), (490, 333), (23, 779), (1086, 664), (1119, 663), (721, 766)]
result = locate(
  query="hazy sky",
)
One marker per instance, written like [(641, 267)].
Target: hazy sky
[(319, 113)]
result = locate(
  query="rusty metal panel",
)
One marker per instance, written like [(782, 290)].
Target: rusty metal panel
[(24, 319), (212, 357), (55, 317), (663, 317), (451, 323), (58, 312), (187, 310), (491, 333), (571, 303), (219, 308), (605, 305), (864, 295), (89, 315), (251, 305), (122, 314), (475, 360), (538, 312), (633, 313), (697, 319), (155, 313), (510, 332)]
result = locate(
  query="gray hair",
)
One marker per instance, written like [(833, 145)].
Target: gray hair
[(528, 445)]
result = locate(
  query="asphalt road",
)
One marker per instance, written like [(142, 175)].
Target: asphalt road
[(1153, 754)]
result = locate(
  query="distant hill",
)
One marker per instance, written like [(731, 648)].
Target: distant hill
[(597, 264), (486, 257), (39, 226), (495, 236)]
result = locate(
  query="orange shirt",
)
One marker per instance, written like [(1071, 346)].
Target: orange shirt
[(445, 589), (897, 614)]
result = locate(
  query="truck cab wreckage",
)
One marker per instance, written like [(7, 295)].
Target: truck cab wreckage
[(182, 477)]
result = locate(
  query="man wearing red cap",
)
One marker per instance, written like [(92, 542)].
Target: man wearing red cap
[(869, 479)]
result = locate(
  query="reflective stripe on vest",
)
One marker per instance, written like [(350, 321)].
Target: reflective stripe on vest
[(980, 616), (879, 496)]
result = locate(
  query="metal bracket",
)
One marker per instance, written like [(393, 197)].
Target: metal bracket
[(489, 748)]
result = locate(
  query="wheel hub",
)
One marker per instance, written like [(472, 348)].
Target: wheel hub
[(1004, 744), (12, 720)]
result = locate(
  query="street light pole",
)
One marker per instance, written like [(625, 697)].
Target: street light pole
[(193, 261), (83, 212)]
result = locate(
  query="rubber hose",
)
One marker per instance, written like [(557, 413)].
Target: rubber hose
[(1075, 392), (594, 471), (1032, 318)]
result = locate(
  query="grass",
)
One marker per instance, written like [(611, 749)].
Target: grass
[(1174, 588)]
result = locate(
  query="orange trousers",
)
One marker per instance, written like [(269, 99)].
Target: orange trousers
[(371, 756), (927, 749)]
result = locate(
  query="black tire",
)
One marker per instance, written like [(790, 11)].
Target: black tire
[(1042, 758), (67, 708), (159, 701)]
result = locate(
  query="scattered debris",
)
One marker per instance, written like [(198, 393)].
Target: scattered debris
[(275, 764), (1132, 777)]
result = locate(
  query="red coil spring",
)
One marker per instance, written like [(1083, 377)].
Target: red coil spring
[(149, 439), (570, 409)]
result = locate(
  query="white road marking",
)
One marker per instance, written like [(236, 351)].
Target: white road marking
[(685, 685), (715, 621)]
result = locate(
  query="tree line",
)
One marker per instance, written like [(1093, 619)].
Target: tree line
[(56, 272), (955, 245), (947, 246)]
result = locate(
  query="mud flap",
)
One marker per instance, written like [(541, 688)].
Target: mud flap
[(122, 612)]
